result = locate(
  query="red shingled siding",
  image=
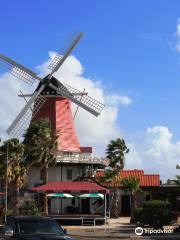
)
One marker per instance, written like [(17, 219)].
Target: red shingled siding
[(68, 140), (58, 111)]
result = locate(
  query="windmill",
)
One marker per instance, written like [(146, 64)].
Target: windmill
[(49, 86)]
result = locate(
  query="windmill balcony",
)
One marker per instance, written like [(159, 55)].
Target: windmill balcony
[(81, 158)]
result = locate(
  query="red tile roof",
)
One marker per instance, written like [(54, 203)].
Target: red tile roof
[(149, 180), (125, 173), (144, 179), (83, 187)]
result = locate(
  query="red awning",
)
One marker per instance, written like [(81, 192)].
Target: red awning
[(82, 187), (1, 193)]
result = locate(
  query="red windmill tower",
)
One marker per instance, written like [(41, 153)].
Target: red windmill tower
[(58, 110)]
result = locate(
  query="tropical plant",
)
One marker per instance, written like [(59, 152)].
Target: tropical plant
[(115, 152), (41, 149), (13, 151), (2, 166), (131, 184), (30, 208)]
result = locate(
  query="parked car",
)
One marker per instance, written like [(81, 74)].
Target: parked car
[(33, 228)]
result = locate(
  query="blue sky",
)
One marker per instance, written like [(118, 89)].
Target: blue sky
[(128, 45)]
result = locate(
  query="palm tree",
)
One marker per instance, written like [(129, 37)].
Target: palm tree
[(131, 184), (115, 152), (41, 149), (16, 172), (2, 171)]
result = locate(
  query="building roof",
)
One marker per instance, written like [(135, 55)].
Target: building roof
[(70, 186), (145, 180), (86, 149), (124, 173), (149, 180)]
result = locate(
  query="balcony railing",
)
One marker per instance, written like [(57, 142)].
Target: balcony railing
[(82, 159)]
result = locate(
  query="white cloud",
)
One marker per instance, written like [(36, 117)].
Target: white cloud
[(118, 100), (133, 158), (178, 36), (11, 104), (155, 153), (92, 131)]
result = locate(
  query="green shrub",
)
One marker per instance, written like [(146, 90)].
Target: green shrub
[(138, 215), (156, 213), (30, 208)]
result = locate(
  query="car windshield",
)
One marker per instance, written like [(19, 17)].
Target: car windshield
[(40, 227)]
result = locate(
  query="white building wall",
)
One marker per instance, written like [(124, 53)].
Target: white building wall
[(54, 174)]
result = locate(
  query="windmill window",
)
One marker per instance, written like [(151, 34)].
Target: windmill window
[(69, 174)]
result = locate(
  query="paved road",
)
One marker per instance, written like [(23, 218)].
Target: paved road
[(120, 228), (123, 232)]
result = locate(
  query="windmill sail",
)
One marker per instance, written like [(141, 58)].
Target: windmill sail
[(86, 99), (55, 61), (20, 122), (37, 100), (86, 102), (18, 70), (60, 58)]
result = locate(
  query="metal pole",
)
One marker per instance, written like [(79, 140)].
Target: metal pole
[(105, 209), (6, 186)]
